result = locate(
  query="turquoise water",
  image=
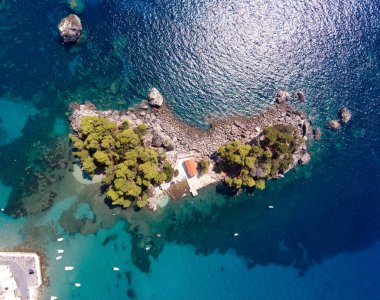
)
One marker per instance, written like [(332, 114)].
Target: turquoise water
[(208, 58)]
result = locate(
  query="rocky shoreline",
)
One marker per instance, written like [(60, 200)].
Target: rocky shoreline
[(166, 131)]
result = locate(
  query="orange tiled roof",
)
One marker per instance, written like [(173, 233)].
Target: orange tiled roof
[(191, 167)]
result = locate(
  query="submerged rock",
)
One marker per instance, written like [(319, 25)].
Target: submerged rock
[(317, 134), (155, 98), (345, 115), (334, 125), (301, 96), (77, 6), (282, 96), (114, 88), (70, 29)]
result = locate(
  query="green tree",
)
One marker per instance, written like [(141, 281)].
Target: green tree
[(260, 184), (250, 161), (102, 158), (129, 167), (88, 165), (168, 171)]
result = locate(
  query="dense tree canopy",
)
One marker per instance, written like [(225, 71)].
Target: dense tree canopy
[(249, 165), (118, 152)]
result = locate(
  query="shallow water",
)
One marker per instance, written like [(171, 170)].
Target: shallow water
[(208, 58)]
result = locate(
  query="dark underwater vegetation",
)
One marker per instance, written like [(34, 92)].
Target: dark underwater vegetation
[(213, 58)]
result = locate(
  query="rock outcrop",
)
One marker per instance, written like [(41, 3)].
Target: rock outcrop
[(282, 96), (345, 115), (155, 98), (305, 158), (70, 29), (301, 96)]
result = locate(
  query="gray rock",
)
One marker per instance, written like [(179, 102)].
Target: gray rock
[(334, 125), (144, 105), (282, 96), (240, 124), (345, 115), (147, 140), (155, 98), (258, 172), (157, 139), (301, 96), (70, 29), (168, 144)]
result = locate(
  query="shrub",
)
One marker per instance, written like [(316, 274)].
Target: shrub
[(203, 166)]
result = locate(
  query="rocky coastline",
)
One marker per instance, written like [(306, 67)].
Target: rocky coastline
[(168, 132)]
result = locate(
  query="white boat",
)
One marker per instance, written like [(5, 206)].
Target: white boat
[(270, 206), (236, 234), (147, 247), (77, 284), (60, 239), (116, 269), (69, 268), (58, 257), (59, 251), (53, 298)]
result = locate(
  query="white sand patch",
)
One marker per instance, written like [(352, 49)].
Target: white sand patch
[(158, 199), (163, 201), (78, 175)]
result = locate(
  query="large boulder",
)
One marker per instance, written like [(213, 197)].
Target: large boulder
[(155, 98), (282, 96), (345, 115), (334, 124), (70, 29)]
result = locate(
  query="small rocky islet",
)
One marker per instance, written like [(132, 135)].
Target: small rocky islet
[(344, 117), (241, 151)]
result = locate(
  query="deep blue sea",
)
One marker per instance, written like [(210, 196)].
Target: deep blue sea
[(208, 58)]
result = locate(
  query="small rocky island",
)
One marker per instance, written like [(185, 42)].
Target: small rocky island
[(70, 29), (145, 154)]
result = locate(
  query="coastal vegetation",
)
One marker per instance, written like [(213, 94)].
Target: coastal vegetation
[(118, 152), (250, 164)]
